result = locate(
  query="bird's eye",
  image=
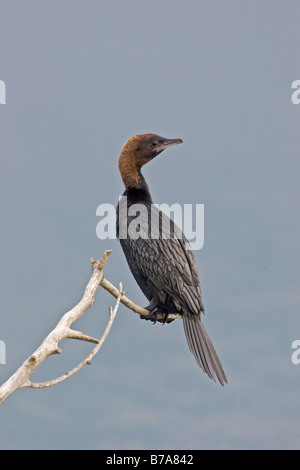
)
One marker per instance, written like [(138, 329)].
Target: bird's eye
[(154, 143)]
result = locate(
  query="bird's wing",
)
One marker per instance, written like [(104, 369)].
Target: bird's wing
[(167, 260)]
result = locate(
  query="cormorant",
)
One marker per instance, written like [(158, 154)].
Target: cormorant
[(163, 267)]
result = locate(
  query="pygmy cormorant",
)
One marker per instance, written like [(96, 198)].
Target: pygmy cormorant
[(163, 267)]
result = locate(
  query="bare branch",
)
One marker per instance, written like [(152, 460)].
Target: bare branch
[(73, 334), (87, 360), (21, 378), (63, 330), (128, 303)]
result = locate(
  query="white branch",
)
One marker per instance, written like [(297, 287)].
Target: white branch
[(87, 360), (21, 378), (135, 308), (63, 330)]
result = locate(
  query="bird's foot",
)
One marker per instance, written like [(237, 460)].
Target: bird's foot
[(156, 316), (152, 316)]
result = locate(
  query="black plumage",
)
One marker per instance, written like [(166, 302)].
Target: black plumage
[(158, 253)]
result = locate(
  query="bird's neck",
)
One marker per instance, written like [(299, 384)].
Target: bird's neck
[(136, 187), (139, 193), (130, 172)]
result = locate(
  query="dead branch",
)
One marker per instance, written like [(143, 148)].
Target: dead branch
[(63, 330), (131, 305)]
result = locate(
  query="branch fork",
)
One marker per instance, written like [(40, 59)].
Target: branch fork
[(63, 330)]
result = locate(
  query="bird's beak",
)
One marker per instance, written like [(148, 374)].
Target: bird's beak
[(168, 143)]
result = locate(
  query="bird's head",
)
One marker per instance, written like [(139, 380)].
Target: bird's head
[(139, 150)]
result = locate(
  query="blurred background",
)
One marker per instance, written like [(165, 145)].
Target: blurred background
[(81, 78)]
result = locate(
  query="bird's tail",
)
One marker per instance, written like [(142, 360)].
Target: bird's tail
[(201, 346)]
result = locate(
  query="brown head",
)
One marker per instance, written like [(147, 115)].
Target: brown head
[(138, 151)]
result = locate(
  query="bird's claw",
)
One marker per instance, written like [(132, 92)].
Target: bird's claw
[(153, 316)]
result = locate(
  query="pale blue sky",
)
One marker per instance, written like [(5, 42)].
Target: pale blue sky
[(81, 78)]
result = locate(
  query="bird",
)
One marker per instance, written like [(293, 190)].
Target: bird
[(162, 266)]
